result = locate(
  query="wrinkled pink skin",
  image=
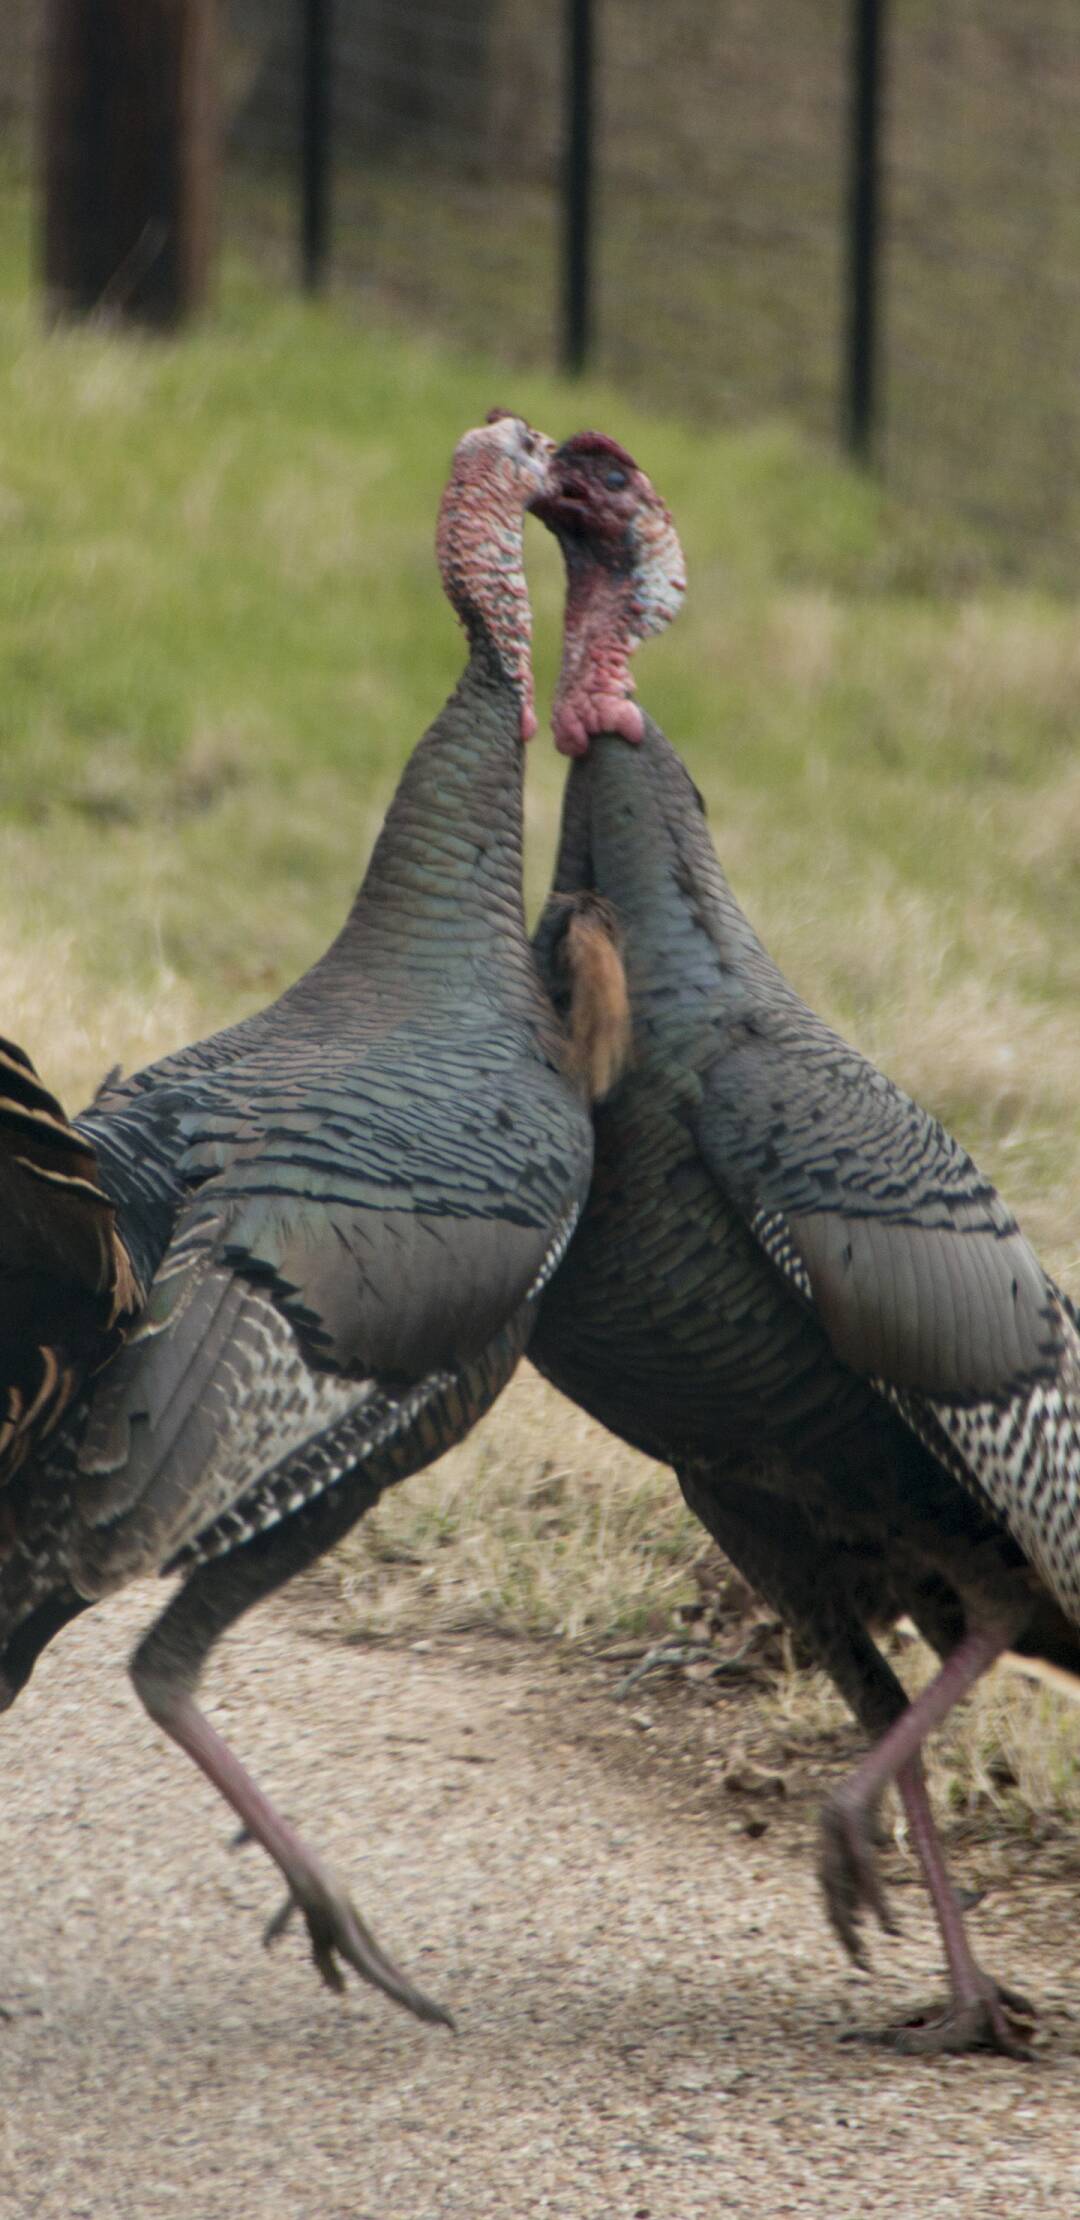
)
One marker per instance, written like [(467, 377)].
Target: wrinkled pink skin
[(625, 580), (595, 690), (575, 724), (499, 470)]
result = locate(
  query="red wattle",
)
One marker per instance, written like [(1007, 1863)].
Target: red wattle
[(575, 725)]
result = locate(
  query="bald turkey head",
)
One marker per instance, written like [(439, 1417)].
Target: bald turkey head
[(626, 579)]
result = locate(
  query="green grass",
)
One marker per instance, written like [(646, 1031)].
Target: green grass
[(221, 631)]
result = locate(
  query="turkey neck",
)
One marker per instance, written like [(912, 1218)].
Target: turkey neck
[(634, 830), (443, 890), (446, 871)]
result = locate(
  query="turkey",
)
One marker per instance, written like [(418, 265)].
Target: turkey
[(789, 1282), (293, 1263)]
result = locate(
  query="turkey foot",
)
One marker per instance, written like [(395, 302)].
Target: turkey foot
[(337, 1931), (996, 2019), (848, 1871), (333, 1923)]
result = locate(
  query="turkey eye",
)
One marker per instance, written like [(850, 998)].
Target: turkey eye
[(614, 479)]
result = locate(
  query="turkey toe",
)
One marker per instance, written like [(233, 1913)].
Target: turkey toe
[(337, 1931), (997, 2020), (849, 1876)]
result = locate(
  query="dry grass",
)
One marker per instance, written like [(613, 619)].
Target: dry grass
[(943, 1008), (540, 1522), (1051, 833), (75, 1036), (1010, 1755)]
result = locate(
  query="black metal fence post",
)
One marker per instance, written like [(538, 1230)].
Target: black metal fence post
[(577, 186), (315, 144), (864, 227)]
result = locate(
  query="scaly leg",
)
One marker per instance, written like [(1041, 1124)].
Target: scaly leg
[(980, 2014), (333, 1922), (165, 1670), (824, 1593)]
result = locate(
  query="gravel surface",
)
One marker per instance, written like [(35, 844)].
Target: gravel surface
[(648, 2003)]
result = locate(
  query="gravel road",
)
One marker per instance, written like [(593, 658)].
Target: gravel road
[(649, 2006)]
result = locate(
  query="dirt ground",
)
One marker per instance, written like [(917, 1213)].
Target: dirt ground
[(650, 2009)]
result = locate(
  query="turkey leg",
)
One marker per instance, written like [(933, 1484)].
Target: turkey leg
[(165, 1670), (980, 2014), (801, 1577), (333, 1922)]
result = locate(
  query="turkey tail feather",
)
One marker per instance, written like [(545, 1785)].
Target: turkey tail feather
[(67, 1284)]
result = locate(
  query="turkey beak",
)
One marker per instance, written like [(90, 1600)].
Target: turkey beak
[(563, 502), (532, 451), (537, 453), (525, 455)]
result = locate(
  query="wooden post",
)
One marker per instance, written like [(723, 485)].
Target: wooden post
[(128, 157), (315, 141), (864, 226)]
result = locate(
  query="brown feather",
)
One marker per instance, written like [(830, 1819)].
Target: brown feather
[(68, 1289), (599, 1019)]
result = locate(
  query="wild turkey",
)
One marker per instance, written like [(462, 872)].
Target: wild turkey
[(342, 1211), (789, 1282)]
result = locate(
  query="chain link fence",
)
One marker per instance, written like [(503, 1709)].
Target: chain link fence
[(721, 159)]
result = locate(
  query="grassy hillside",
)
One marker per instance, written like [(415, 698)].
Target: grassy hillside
[(220, 633)]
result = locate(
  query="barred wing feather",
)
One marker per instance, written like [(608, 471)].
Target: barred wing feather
[(914, 1265)]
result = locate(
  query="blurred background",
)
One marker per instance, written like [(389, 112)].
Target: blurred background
[(261, 262), (682, 196)]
